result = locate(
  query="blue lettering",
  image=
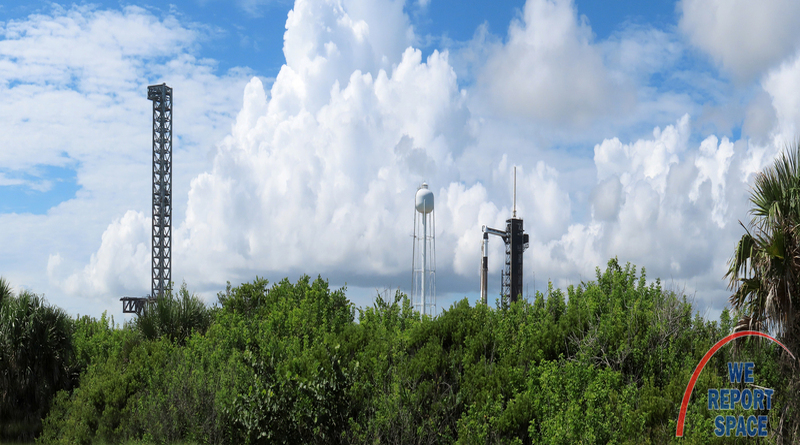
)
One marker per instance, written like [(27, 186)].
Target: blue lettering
[(758, 400), (747, 398), (762, 426), (730, 424), (748, 372), (740, 428), (713, 399), (752, 426), (735, 371), (719, 426), (735, 397), (768, 393), (724, 398)]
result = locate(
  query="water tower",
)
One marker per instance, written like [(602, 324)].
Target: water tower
[(423, 263)]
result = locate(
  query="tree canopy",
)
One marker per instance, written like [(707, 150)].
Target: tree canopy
[(605, 361)]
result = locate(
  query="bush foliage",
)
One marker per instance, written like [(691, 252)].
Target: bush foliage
[(605, 361)]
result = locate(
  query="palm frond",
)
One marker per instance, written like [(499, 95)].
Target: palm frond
[(764, 269), (5, 290)]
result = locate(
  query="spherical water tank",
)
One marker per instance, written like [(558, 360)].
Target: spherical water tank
[(424, 202)]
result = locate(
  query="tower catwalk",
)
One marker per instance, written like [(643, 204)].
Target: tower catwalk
[(161, 95)]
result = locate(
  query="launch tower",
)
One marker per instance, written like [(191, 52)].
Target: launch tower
[(161, 265), (516, 242)]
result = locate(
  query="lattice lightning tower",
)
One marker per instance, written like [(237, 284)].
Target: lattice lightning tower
[(161, 95), (161, 266)]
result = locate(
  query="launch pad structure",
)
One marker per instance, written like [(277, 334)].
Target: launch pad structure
[(516, 242), (161, 241)]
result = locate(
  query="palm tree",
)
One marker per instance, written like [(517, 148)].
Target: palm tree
[(35, 355), (764, 269), (5, 290), (174, 316)]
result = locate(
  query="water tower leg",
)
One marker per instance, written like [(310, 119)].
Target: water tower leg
[(424, 257)]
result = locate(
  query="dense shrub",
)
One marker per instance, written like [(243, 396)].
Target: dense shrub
[(603, 362), (173, 316)]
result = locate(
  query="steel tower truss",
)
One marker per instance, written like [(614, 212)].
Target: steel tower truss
[(505, 274), (161, 266), (516, 242), (161, 95)]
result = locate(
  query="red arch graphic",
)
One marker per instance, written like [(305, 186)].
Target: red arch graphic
[(688, 394)]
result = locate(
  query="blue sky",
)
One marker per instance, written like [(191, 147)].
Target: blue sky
[(250, 34), (302, 130)]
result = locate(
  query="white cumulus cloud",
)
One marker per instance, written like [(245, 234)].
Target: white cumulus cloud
[(121, 262), (298, 187), (550, 69), (73, 82), (745, 37), (316, 171)]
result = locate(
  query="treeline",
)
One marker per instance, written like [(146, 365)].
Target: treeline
[(603, 362)]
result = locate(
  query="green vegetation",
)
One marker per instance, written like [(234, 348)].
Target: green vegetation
[(35, 360), (603, 362), (606, 361), (764, 272)]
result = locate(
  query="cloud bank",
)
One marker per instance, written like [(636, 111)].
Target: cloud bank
[(73, 83), (745, 38), (315, 172)]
